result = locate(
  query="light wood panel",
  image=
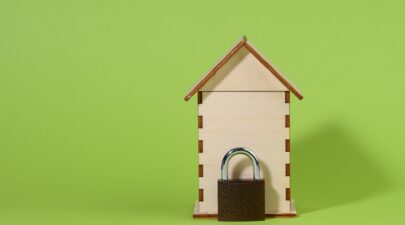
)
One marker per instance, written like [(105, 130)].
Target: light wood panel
[(255, 120), (243, 72), (234, 55)]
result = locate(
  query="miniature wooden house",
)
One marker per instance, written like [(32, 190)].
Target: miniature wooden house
[(244, 102)]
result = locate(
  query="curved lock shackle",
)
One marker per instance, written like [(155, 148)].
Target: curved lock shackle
[(236, 151)]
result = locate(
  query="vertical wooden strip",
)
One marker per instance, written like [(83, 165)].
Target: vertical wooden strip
[(287, 97), (287, 194), (287, 170), (200, 122), (200, 146), (287, 145), (200, 170), (200, 195), (199, 97), (287, 120)]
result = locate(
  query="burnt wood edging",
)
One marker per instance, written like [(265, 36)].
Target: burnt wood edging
[(200, 195), (243, 43), (201, 170), (200, 122), (213, 216), (200, 146)]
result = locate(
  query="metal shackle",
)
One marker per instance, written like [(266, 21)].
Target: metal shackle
[(236, 151)]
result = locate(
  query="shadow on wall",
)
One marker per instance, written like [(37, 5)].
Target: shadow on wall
[(331, 168)]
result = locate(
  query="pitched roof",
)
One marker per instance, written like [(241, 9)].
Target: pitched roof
[(266, 63)]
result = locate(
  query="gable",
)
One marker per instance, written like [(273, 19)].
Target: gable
[(234, 75), (243, 72)]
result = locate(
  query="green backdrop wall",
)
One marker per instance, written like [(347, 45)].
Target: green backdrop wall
[(94, 129)]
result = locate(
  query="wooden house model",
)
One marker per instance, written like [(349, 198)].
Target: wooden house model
[(244, 101)]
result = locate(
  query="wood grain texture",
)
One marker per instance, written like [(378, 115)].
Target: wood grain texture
[(243, 45), (243, 73), (255, 120), (274, 71), (214, 70)]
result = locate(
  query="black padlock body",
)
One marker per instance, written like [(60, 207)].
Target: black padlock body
[(241, 200)]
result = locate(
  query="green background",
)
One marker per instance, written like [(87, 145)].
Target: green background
[(94, 129)]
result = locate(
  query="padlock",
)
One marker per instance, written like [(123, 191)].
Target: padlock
[(241, 200)]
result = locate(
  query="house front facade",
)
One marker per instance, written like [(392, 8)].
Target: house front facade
[(244, 102)]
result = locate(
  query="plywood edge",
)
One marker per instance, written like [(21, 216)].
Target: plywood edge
[(200, 121), (198, 215), (200, 146), (200, 170), (214, 216), (200, 194)]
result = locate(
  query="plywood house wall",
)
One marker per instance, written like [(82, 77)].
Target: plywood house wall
[(244, 102)]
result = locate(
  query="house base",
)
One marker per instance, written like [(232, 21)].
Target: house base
[(198, 214)]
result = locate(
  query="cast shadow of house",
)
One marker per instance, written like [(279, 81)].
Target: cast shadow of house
[(330, 167)]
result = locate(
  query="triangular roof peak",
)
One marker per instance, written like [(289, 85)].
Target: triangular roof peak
[(244, 43)]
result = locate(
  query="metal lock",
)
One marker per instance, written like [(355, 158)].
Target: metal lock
[(241, 200)]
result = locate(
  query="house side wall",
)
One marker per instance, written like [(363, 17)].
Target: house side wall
[(256, 120), (243, 72)]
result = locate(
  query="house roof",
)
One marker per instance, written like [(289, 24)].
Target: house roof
[(259, 57)]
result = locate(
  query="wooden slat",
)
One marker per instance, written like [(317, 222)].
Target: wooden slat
[(200, 122), (287, 120), (287, 145), (287, 170), (200, 195), (200, 170), (200, 146), (287, 194)]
